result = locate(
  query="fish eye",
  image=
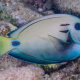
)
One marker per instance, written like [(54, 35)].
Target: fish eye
[(77, 26), (15, 43)]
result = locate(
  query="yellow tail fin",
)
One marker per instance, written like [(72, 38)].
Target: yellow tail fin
[(5, 45)]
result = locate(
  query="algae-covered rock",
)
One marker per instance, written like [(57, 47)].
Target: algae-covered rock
[(68, 6), (5, 28), (23, 73)]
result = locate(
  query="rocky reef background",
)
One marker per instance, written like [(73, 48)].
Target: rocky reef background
[(15, 14)]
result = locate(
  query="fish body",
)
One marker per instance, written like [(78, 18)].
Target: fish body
[(45, 40)]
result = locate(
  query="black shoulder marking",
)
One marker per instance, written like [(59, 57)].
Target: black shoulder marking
[(64, 31), (64, 24)]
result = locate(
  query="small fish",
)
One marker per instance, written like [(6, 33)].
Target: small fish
[(51, 39)]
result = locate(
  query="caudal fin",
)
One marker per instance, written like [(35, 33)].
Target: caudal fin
[(5, 45)]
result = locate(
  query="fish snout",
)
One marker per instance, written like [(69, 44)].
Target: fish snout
[(75, 32)]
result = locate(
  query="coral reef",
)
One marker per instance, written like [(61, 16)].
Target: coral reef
[(18, 13), (5, 28), (4, 16), (23, 73), (42, 6), (68, 6)]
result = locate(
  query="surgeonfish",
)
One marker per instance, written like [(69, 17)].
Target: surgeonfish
[(50, 39)]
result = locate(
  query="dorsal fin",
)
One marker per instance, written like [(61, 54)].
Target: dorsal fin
[(15, 33)]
